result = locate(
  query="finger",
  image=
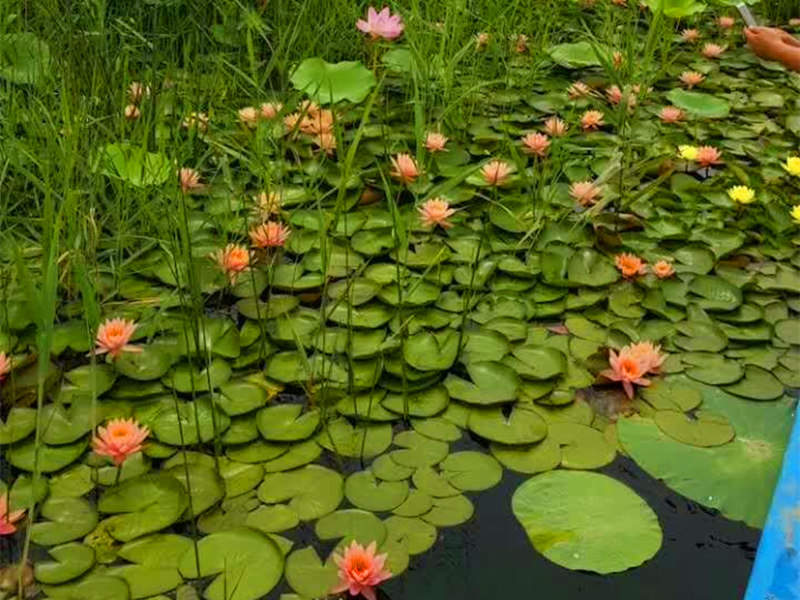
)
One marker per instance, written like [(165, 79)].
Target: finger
[(790, 40)]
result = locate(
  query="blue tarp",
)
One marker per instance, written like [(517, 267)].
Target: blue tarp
[(776, 572)]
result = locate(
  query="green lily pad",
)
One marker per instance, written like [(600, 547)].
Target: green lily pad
[(187, 379), (429, 351), (51, 458), (256, 452), (521, 426), (71, 561), (538, 362), (530, 459), (437, 428), (203, 484), (91, 587), (330, 83), (578, 55), (247, 557), (61, 425), (150, 364), (19, 424), (67, 519), (492, 383), (298, 455), (134, 165), (157, 550), (147, 581), (147, 504), (286, 422), (366, 492), (433, 483), (418, 450), (73, 482), (787, 330), (699, 104), (385, 468), (581, 447), (418, 503), (418, 534), (712, 369), (737, 478), (272, 519), (672, 395), (425, 403), (587, 521), (191, 423), (716, 293), (471, 471), (312, 491), (757, 384), (241, 396), (363, 440), (308, 576), (705, 430), (450, 511), (351, 524)]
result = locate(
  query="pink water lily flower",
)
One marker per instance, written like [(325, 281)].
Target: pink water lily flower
[(690, 35), (626, 369), (132, 112), (726, 22), (232, 260), (113, 337), (5, 365), (555, 127), (648, 355), (708, 156), (119, 439), (8, 517), (436, 212), (496, 172), (713, 50), (270, 110), (578, 90), (692, 78), (584, 193), (360, 570), (671, 114), (404, 168), (663, 269), (630, 265), (536, 143), (189, 180), (435, 142), (381, 24), (592, 120), (269, 235)]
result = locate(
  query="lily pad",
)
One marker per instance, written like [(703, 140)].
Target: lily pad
[(450, 511), (329, 83), (286, 422), (51, 458), (67, 519), (351, 524), (471, 471), (418, 534), (363, 440), (581, 447), (71, 561), (705, 430), (757, 384), (521, 426), (312, 491), (19, 424), (308, 576), (248, 564), (366, 492), (587, 521), (492, 383), (530, 459), (699, 104)]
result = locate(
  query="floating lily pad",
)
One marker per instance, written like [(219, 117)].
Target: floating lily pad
[(51, 458), (672, 395), (418, 450), (385, 468), (538, 362), (91, 587), (433, 483), (71, 561), (297, 455), (429, 351), (190, 423), (19, 424), (286, 422), (365, 491), (67, 519), (158, 550), (312, 491), (418, 503), (587, 521), (330, 83), (419, 535), (272, 519), (757, 384), (520, 426), (363, 440), (149, 364), (425, 403), (351, 524), (245, 556), (471, 471), (308, 576), (530, 459), (492, 383), (704, 430), (737, 478), (581, 447), (437, 428), (147, 581), (450, 511), (788, 330), (699, 104)]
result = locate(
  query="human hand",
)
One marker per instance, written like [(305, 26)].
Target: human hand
[(775, 44)]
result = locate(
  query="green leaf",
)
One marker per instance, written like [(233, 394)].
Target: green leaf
[(248, 564), (736, 478), (287, 422), (492, 383), (308, 576), (71, 561), (521, 426), (67, 519), (757, 384), (471, 471), (24, 59), (530, 459), (351, 524), (579, 55), (705, 430), (19, 424), (698, 104), (312, 491), (365, 491), (134, 165), (333, 82), (419, 535), (587, 521), (581, 446)]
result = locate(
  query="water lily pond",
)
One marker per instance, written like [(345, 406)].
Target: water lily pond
[(403, 325)]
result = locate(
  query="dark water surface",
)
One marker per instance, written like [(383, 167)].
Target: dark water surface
[(704, 556)]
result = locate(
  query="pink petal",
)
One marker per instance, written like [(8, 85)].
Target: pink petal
[(628, 387), (368, 592)]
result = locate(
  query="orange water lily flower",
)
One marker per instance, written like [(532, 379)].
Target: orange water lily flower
[(692, 78), (626, 369), (713, 50), (325, 141), (671, 114), (584, 193), (189, 180), (482, 40), (647, 354), (232, 260), (5, 365), (404, 168), (113, 337), (521, 44), (690, 35), (708, 155), (435, 142), (536, 143), (8, 517), (270, 110), (119, 439), (436, 212), (592, 120), (630, 265), (269, 235), (578, 90), (360, 570), (726, 22), (496, 172), (663, 269), (249, 116), (555, 127)]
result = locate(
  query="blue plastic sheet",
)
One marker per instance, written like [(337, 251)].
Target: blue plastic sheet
[(776, 572)]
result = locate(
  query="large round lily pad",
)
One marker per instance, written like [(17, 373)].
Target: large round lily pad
[(521, 426), (587, 521), (308, 576), (529, 459), (359, 525), (67, 519), (366, 492), (364, 440), (286, 422), (71, 561), (738, 477), (704, 430)]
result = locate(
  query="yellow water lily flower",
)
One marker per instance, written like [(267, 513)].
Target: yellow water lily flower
[(792, 165), (687, 152), (795, 213), (742, 194)]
